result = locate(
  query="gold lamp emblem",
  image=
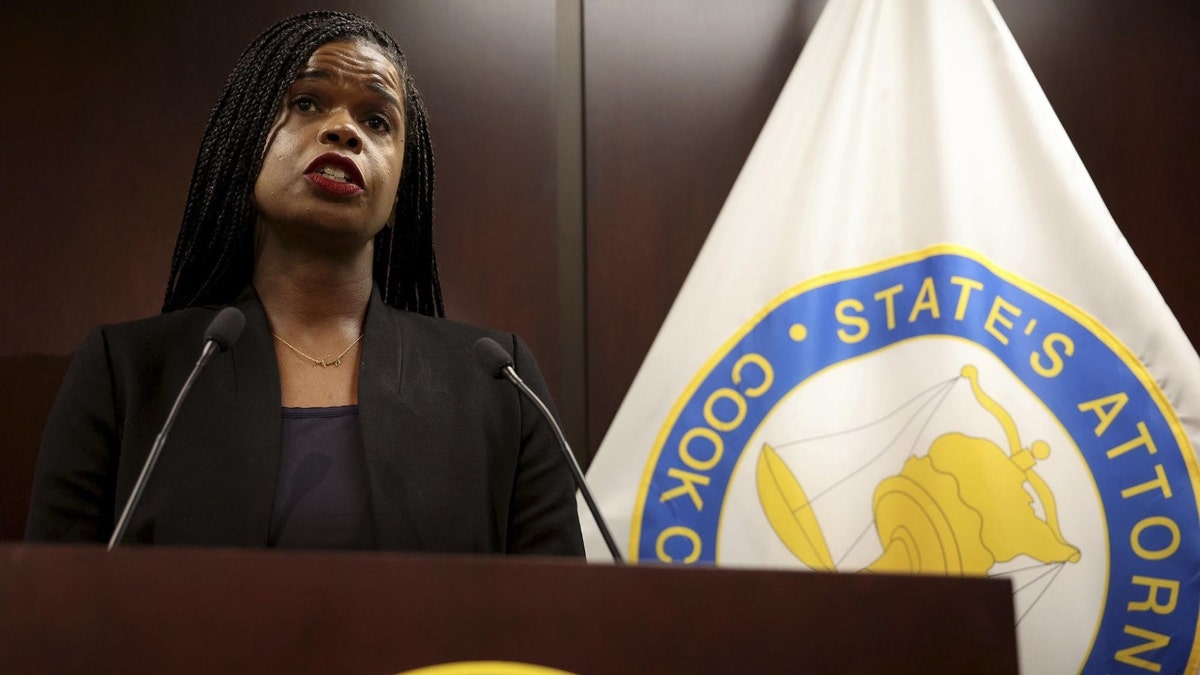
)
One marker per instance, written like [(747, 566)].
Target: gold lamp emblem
[(957, 510)]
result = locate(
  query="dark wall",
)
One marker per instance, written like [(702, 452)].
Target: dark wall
[(1122, 75), (676, 93), (106, 108)]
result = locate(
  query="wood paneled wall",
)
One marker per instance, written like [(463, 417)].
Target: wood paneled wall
[(105, 113), (676, 93)]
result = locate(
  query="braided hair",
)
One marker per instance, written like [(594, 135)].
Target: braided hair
[(214, 252)]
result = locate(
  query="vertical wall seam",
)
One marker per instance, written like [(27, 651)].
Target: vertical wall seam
[(571, 228)]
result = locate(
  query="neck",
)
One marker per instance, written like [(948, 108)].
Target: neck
[(313, 291)]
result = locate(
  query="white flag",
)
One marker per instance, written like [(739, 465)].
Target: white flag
[(916, 341)]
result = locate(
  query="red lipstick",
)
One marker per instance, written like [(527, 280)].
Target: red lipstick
[(335, 174)]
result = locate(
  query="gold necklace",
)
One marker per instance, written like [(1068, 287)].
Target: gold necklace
[(324, 363)]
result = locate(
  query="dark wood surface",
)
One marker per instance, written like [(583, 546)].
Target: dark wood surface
[(194, 611)]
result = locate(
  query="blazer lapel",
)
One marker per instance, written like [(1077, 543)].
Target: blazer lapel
[(395, 449), (234, 436), (257, 422)]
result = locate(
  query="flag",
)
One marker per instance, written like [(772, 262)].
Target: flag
[(916, 341)]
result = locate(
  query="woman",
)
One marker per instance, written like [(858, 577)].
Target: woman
[(347, 415)]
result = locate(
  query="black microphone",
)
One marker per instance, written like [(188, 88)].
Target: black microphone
[(492, 357), (220, 335)]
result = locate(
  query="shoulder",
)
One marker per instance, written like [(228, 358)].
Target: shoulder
[(147, 350), (132, 360), (169, 324), (154, 334)]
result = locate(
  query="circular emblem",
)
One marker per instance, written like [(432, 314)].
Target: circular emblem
[(485, 668), (934, 414)]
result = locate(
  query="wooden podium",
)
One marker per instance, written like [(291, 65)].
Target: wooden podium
[(82, 610)]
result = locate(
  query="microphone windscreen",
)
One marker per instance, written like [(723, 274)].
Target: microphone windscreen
[(226, 327), (491, 356)]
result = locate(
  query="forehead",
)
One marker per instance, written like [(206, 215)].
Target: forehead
[(355, 62)]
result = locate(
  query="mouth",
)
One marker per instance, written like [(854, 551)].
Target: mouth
[(335, 174)]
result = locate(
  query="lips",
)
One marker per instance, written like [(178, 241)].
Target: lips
[(335, 174)]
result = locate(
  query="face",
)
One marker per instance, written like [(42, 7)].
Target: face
[(333, 158)]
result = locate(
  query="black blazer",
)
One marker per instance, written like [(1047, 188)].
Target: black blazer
[(456, 460)]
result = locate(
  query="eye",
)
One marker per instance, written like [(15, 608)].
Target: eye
[(379, 123), (304, 103)]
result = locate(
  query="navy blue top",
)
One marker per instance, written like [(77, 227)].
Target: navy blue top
[(321, 498)]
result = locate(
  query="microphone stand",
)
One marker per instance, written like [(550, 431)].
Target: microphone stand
[(222, 332), (576, 472)]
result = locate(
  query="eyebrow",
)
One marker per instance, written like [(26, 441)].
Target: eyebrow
[(376, 86)]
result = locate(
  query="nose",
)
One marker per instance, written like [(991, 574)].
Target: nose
[(341, 130)]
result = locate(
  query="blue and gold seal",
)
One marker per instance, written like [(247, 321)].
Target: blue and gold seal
[(1075, 469)]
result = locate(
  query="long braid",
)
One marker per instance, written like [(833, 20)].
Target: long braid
[(413, 280), (214, 252)]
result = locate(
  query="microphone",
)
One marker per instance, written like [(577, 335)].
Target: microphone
[(492, 358), (225, 329), (220, 335)]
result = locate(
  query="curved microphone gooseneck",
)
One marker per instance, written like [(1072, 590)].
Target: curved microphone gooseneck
[(492, 358), (220, 335)]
